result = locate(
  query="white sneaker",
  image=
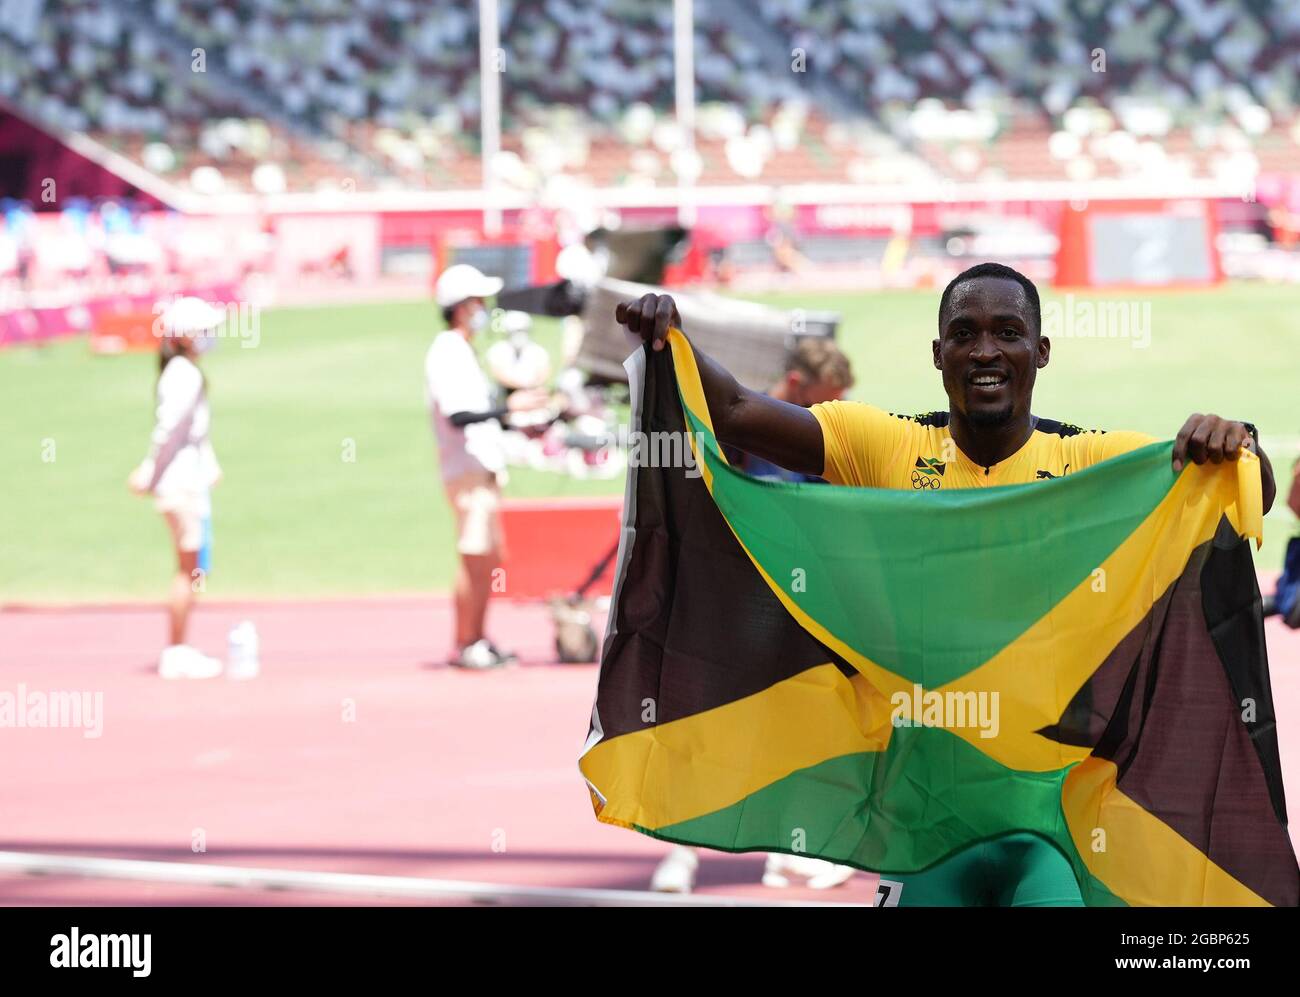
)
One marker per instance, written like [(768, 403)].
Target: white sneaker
[(477, 657), (676, 873), (821, 875), (180, 661), (830, 875), (774, 871)]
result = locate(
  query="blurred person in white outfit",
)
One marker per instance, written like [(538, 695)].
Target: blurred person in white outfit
[(467, 423), (518, 361), (181, 469)]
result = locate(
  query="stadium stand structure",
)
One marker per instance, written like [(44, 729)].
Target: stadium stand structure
[(385, 95)]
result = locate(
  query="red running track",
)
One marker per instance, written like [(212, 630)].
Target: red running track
[(439, 773), (357, 750)]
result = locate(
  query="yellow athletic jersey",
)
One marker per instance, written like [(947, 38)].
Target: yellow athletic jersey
[(869, 447)]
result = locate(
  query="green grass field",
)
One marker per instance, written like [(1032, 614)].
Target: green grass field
[(292, 517)]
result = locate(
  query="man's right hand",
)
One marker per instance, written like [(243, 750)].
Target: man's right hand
[(787, 435), (650, 318)]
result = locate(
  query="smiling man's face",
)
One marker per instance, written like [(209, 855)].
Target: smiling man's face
[(989, 349)]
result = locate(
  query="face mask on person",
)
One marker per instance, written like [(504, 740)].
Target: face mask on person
[(479, 320)]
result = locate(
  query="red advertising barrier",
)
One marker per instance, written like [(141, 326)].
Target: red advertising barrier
[(69, 271), (553, 545), (115, 322)]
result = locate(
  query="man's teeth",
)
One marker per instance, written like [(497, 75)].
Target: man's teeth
[(985, 380)]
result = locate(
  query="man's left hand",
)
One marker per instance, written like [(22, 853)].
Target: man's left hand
[(1207, 438)]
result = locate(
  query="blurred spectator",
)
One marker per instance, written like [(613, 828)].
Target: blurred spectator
[(1285, 600), (517, 361), (953, 79)]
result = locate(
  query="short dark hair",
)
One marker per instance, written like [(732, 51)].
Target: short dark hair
[(998, 271), (449, 313)]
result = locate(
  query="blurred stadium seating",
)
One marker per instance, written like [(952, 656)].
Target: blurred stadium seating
[(821, 132), (387, 94)]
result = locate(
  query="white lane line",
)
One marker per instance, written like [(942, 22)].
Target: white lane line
[(411, 887)]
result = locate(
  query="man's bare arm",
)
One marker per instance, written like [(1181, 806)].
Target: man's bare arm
[(785, 434)]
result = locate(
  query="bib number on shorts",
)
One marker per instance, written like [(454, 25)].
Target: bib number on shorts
[(888, 893)]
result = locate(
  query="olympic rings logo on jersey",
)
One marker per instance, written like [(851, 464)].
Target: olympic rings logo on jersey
[(925, 482), (928, 474)]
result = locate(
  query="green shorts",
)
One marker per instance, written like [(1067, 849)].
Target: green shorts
[(1016, 870)]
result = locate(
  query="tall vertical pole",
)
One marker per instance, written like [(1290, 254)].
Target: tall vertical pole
[(490, 70), (684, 72)]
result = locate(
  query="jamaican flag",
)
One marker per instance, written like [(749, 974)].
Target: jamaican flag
[(883, 678)]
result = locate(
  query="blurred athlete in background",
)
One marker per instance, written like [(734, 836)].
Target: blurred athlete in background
[(180, 470)]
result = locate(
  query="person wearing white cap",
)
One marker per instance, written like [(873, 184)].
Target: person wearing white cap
[(467, 424), (181, 468), (518, 362)]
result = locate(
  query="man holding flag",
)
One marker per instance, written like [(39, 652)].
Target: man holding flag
[(1094, 693)]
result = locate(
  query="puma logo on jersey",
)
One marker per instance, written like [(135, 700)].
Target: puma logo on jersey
[(1048, 474)]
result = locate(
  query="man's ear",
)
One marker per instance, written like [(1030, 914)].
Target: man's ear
[(794, 387), (938, 355), (1044, 351)]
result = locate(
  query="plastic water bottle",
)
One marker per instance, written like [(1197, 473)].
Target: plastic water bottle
[(242, 657)]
